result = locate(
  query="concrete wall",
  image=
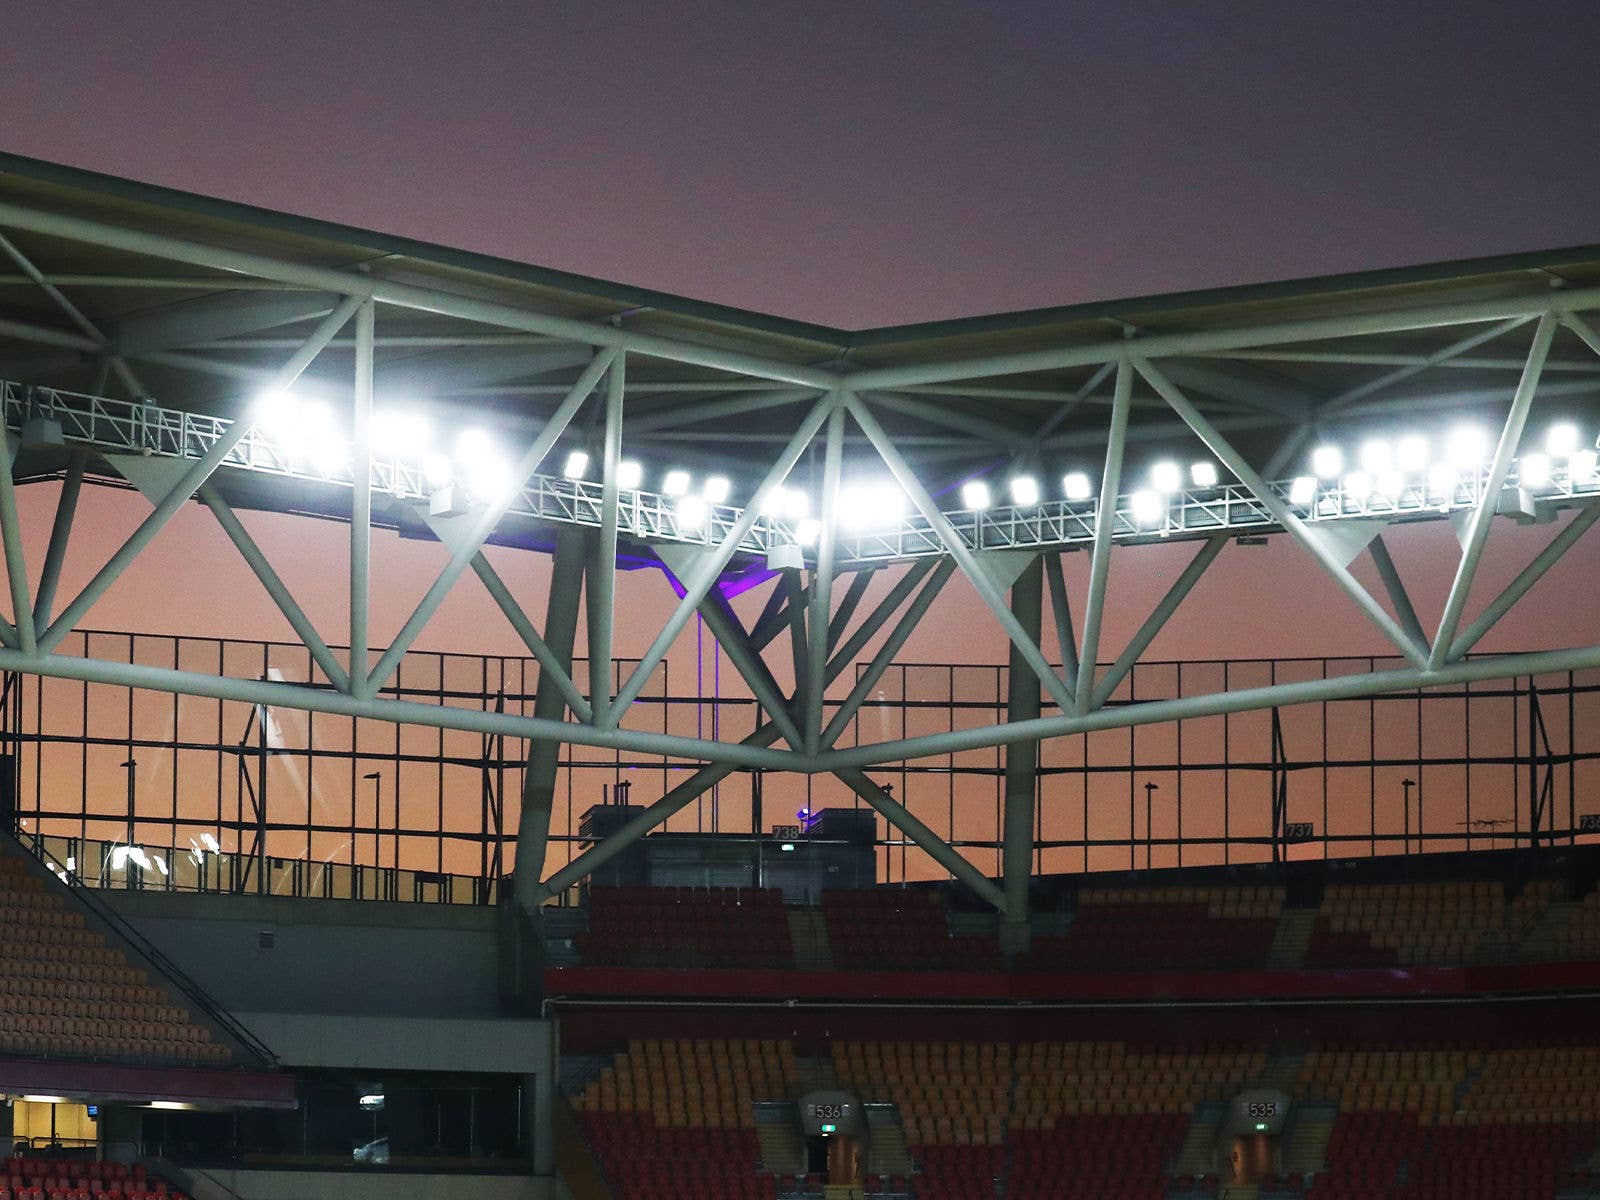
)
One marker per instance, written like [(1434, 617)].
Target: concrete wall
[(328, 956), (350, 1185)]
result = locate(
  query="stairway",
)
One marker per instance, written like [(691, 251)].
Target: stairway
[(778, 1136), (887, 1153), (814, 1075), (809, 933), (1281, 1071), (1305, 1150), (1540, 943), (1291, 939), (842, 1191), (1198, 1153), (1239, 1191)]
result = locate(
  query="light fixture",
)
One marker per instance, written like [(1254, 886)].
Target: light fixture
[(400, 434), (692, 512), (436, 470), (1166, 478), (1391, 484), (45, 1099), (210, 843), (675, 483), (330, 457), (1533, 470), (1582, 466), (1327, 462), (889, 502), (1411, 454), (1357, 486), (172, 1105), (1376, 456), (1075, 486), (484, 468), (787, 847), (1149, 507), (1203, 474), (796, 504), (629, 474), (1468, 448), (1303, 490), (1024, 491), (975, 495), (1561, 440), (716, 489), (807, 531), (577, 465), (1442, 479)]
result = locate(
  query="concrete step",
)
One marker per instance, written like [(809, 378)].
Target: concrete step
[(809, 933), (887, 1153), (782, 1151), (1291, 938), (1198, 1153), (1306, 1149), (1541, 942)]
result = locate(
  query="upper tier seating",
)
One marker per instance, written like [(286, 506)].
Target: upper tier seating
[(65, 990), (1424, 923), (664, 1103), (30, 1178), (686, 927), (1579, 939), (1155, 928), (895, 929)]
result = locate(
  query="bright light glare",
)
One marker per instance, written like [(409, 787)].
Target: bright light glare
[(629, 474), (716, 489), (1149, 507), (1411, 454), (692, 512), (1024, 491), (1303, 490), (1469, 448), (789, 503), (676, 483), (1327, 462), (577, 465), (330, 456), (400, 434), (1561, 440), (1075, 486), (807, 531), (210, 843), (486, 472), (436, 470), (1442, 480), (1534, 470), (1204, 474), (1583, 466), (1357, 485), (1376, 456), (1166, 478), (294, 425), (1392, 484), (975, 495), (871, 505)]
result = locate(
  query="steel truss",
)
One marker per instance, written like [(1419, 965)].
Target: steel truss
[(171, 456)]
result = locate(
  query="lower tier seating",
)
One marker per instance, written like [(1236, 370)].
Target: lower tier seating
[(29, 1178)]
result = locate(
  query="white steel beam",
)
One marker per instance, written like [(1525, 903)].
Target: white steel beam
[(1105, 522), (361, 496)]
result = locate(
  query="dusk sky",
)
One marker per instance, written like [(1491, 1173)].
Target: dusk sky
[(852, 164)]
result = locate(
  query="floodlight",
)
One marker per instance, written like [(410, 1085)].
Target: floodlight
[(1149, 507), (1411, 454), (577, 465), (1534, 470), (1357, 485), (796, 504), (1391, 484), (1469, 448), (1166, 478), (1075, 485), (629, 474), (975, 495), (1581, 467), (1203, 474), (716, 489), (474, 445), (1327, 462), (1561, 440), (436, 470), (807, 531), (1024, 491), (1376, 456), (485, 471), (330, 456), (676, 483), (400, 434), (1442, 479), (692, 512), (1303, 490), (888, 502)]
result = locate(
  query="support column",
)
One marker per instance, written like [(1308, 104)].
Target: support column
[(1022, 765), (539, 781)]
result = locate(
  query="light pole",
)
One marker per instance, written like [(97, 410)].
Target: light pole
[(1408, 784), (1149, 835), (377, 817)]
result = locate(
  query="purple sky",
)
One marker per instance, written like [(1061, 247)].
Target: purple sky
[(859, 163)]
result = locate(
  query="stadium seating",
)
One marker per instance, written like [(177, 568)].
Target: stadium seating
[(673, 1119), (29, 1178), (1154, 928), (899, 929), (686, 927), (1424, 924), (67, 991)]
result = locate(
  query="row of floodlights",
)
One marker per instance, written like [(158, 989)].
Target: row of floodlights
[(1390, 469)]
